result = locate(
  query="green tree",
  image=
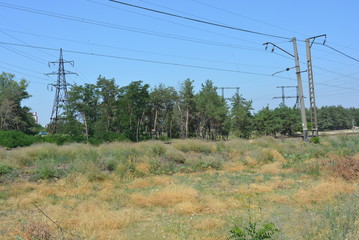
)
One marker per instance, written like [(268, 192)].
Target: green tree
[(133, 101), (266, 122), (241, 117), (334, 118), (13, 116), (187, 108), (83, 106), (212, 112), (162, 102), (107, 123), (289, 120)]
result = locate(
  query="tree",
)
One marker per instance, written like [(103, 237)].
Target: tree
[(266, 122), (334, 118), (212, 112), (162, 102), (187, 107), (83, 105), (107, 93), (12, 115), (241, 117), (133, 103), (289, 120)]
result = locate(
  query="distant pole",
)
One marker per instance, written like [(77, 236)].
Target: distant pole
[(225, 88), (283, 97), (300, 91)]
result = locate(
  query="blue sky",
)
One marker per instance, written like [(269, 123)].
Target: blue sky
[(125, 32)]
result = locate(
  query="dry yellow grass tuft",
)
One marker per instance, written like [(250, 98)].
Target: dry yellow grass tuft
[(265, 187), (249, 161), (271, 168), (187, 208), (93, 220), (209, 224), (150, 182), (212, 205), (168, 196), (143, 167), (233, 167), (323, 191), (234, 155)]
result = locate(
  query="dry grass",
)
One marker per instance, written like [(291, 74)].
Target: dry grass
[(233, 167), (272, 168), (344, 167), (131, 202), (167, 196), (323, 191), (209, 224), (150, 182)]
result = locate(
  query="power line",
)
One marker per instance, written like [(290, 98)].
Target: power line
[(137, 50), (200, 21), (181, 24), (168, 63), (22, 54), (240, 15), (26, 74), (144, 60), (344, 54), (120, 27)]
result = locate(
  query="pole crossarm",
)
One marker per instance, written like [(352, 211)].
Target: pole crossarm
[(275, 46)]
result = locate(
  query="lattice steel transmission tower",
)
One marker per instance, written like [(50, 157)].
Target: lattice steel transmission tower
[(61, 92)]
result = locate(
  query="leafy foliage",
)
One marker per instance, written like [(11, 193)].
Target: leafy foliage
[(253, 233), (13, 116), (13, 139), (105, 112)]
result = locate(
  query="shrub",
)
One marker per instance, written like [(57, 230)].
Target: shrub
[(252, 232), (205, 163), (5, 169), (315, 140), (13, 139), (158, 150), (47, 169), (176, 156), (59, 139)]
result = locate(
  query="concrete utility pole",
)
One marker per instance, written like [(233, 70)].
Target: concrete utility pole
[(313, 107), (61, 92), (222, 88), (283, 97), (299, 80), (300, 91)]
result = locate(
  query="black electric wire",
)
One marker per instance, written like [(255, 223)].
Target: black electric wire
[(344, 54), (200, 21), (120, 27), (169, 63)]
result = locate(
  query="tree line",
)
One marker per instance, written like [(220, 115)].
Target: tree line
[(106, 112)]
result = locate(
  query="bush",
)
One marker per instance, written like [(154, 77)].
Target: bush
[(252, 232), (59, 139), (13, 139), (47, 169), (315, 140), (4, 169), (175, 156)]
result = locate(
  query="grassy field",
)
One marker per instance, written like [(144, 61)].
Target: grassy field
[(183, 189)]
